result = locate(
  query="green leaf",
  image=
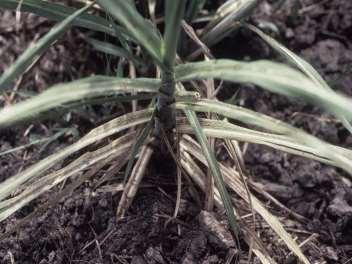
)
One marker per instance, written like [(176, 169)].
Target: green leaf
[(110, 128), (292, 58), (64, 97), (114, 50), (141, 31), (36, 50), (215, 170), (58, 12), (281, 135), (322, 152), (298, 62), (174, 11), (272, 76)]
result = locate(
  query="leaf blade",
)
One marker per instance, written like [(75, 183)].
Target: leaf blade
[(112, 127), (135, 24), (58, 12), (235, 183), (213, 164), (64, 97), (282, 131), (32, 53), (114, 50), (300, 63), (113, 150), (275, 77), (174, 11)]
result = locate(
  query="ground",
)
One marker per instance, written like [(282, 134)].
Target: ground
[(82, 228)]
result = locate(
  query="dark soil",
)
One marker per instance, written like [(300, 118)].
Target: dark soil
[(323, 37), (82, 227)]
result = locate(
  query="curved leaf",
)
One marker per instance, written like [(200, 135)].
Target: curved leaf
[(114, 50), (283, 133), (58, 12), (114, 149), (215, 170), (300, 63), (36, 50), (225, 130), (112, 127), (67, 95), (275, 77), (127, 15)]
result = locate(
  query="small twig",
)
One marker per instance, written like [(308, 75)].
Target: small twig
[(101, 243), (310, 7), (113, 189), (179, 177), (132, 70), (12, 258), (113, 170), (136, 177), (193, 35), (180, 167), (179, 170), (178, 221), (152, 7), (15, 88), (348, 261), (230, 255), (99, 249), (310, 238), (18, 15)]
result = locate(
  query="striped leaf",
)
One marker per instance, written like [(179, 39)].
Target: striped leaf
[(324, 152), (272, 76), (298, 62), (59, 12), (276, 133), (36, 50), (110, 128), (64, 97), (215, 170), (114, 149)]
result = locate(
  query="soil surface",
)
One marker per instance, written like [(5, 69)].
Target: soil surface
[(81, 228)]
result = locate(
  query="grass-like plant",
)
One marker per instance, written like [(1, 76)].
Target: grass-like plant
[(200, 113)]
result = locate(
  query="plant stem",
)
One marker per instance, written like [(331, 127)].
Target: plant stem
[(165, 111)]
